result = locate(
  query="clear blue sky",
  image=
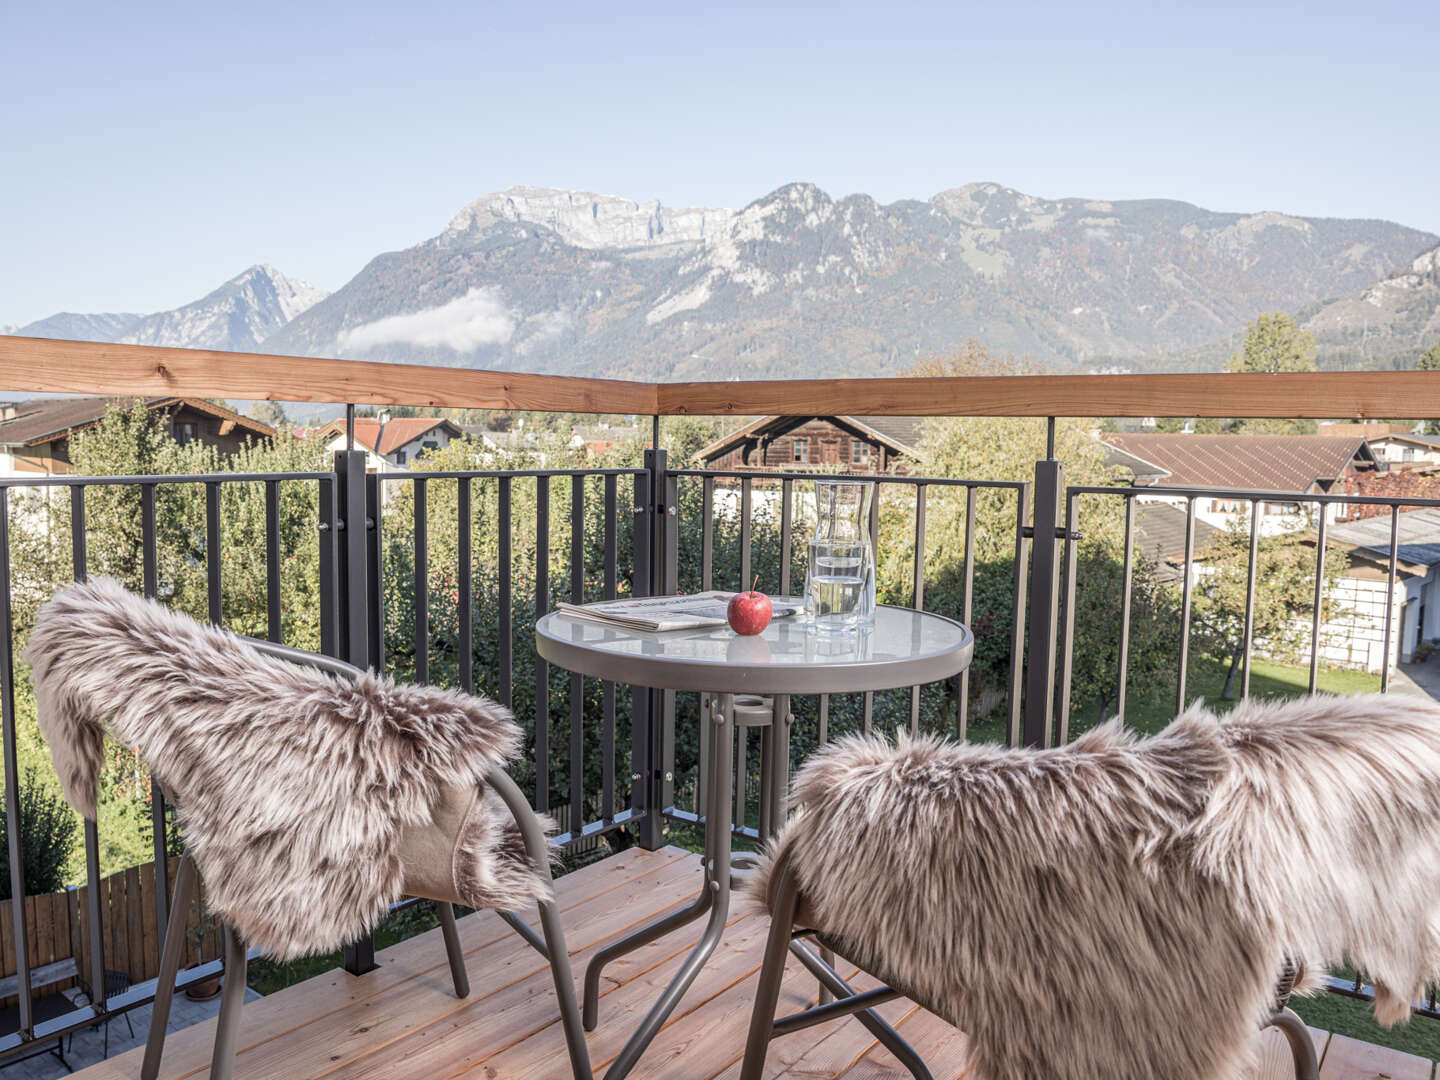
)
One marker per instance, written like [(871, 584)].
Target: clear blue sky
[(153, 150)]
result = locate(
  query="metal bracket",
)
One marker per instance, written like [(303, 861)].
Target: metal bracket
[(1061, 533)]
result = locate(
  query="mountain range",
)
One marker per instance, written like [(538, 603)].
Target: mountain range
[(236, 317), (798, 283)]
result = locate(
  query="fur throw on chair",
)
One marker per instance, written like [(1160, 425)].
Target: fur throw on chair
[(1121, 907), (293, 787)]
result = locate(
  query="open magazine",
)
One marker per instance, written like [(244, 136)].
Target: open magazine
[(657, 613)]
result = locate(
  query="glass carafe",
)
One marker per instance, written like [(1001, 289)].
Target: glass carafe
[(840, 575)]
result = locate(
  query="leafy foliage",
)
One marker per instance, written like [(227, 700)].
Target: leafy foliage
[(46, 838)]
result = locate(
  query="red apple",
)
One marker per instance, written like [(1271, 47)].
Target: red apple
[(748, 612)]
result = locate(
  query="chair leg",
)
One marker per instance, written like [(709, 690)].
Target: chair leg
[(232, 997), (451, 935), (169, 967), (772, 971), (1301, 1045)]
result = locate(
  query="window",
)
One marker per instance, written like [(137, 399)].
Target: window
[(184, 431), (1409, 454), (399, 457), (801, 450), (430, 444), (859, 452)]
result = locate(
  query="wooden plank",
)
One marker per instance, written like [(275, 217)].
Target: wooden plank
[(517, 996), (149, 925), (1350, 1059), (85, 367), (50, 366), (135, 904), (940, 1045), (417, 969), (840, 1044), (522, 1019), (1320, 395), (1273, 1059)]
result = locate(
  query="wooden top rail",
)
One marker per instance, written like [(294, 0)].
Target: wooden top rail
[(43, 365)]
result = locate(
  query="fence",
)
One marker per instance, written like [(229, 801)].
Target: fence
[(420, 574)]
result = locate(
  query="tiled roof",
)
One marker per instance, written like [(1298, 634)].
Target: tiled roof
[(1246, 462), (42, 419), (901, 432), (1160, 534), (1417, 536), (393, 434)]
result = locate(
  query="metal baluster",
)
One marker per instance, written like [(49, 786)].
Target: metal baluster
[(542, 668), (1253, 570), (1319, 601), (273, 626), (79, 560), (962, 687), (159, 823), (746, 534), (421, 582), (577, 682), (12, 777), (506, 631), (1126, 593), (1067, 624), (874, 523), (707, 545), (607, 763), (786, 527), (1390, 596), (214, 586), (917, 591), (464, 585), (1185, 603), (1017, 627)]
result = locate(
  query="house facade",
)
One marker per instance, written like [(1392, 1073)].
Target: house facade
[(392, 445), (35, 434), (851, 444)]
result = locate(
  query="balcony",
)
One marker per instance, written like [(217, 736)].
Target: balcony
[(437, 575)]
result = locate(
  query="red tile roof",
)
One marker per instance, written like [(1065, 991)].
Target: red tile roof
[(1246, 462), (395, 434)]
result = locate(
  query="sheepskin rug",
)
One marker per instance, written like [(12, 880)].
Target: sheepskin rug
[(292, 786), (1121, 907)]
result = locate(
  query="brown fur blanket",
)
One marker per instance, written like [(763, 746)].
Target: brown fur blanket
[(1121, 907), (292, 786)]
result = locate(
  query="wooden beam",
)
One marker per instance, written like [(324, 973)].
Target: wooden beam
[(48, 366), (1319, 395), (43, 365)]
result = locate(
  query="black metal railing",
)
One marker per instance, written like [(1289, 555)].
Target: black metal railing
[(406, 562)]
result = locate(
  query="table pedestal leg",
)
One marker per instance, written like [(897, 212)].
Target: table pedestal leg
[(715, 892)]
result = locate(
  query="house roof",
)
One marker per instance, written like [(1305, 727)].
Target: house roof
[(1374, 429), (1160, 534), (393, 434), (1245, 462), (1417, 533), (900, 433), (42, 420)]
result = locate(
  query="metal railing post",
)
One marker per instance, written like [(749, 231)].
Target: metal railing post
[(657, 517), (1046, 531), (354, 584)]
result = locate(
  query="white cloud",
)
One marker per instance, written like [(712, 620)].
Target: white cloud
[(480, 317)]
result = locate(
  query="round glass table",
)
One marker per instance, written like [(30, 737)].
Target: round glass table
[(902, 648)]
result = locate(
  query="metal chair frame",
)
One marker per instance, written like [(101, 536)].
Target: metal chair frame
[(784, 939), (549, 942)]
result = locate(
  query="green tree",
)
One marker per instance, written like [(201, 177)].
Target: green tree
[(1274, 343), (1284, 595), (47, 835), (269, 412), (1430, 358)]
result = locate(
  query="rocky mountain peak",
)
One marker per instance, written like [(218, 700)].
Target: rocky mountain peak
[(584, 219)]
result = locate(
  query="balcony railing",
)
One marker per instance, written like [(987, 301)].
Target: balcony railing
[(420, 574)]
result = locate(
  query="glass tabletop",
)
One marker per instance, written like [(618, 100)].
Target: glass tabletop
[(902, 648)]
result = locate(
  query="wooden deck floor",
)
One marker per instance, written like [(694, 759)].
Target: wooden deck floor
[(403, 1022)]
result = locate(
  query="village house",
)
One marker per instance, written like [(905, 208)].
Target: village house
[(850, 444), (1392, 444), (35, 434), (392, 445), (1283, 464)]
